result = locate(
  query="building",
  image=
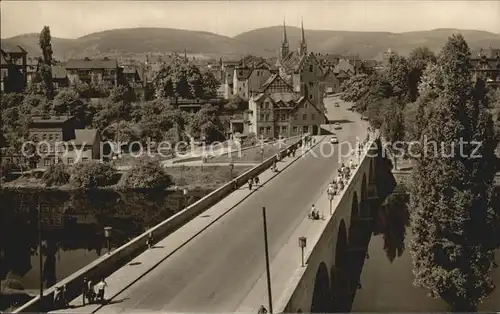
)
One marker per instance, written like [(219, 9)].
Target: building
[(301, 70), (59, 77), (94, 71), (331, 82), (250, 75), (63, 141), (272, 118), (13, 69), (279, 89), (228, 81), (486, 66)]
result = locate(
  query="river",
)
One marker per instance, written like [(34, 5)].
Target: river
[(387, 278), (73, 229)]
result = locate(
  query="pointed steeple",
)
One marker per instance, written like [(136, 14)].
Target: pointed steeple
[(303, 44), (284, 49), (285, 39)]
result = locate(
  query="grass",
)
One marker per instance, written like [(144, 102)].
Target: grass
[(210, 177), (251, 155)]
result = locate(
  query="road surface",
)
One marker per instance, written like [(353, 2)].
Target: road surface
[(217, 269)]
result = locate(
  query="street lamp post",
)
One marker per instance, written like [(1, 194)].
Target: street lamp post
[(40, 253), (268, 270), (107, 235), (231, 167), (302, 245), (330, 198), (185, 193)]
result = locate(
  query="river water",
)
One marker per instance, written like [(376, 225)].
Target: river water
[(387, 279), (73, 229)]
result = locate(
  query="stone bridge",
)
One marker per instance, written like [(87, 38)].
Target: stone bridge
[(330, 277)]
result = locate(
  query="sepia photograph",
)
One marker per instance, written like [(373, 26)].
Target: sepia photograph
[(247, 156)]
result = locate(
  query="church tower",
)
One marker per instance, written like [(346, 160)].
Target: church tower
[(284, 49), (302, 46)]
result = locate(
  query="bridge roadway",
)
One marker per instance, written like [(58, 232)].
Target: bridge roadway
[(217, 269)]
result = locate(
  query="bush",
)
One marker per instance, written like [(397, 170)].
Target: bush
[(92, 174), (56, 175), (146, 174)]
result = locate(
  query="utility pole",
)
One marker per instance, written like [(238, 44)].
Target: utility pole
[(268, 270), (40, 252)]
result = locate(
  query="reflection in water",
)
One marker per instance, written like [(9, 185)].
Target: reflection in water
[(388, 281), (391, 221), (73, 229)]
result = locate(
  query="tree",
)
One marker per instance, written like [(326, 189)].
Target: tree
[(393, 128), (45, 64), (454, 223), (92, 174), (210, 85), (418, 61), (206, 124), (56, 174), (146, 174), (398, 75)]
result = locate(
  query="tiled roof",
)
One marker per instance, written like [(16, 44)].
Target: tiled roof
[(343, 66), (293, 62), (50, 119), (270, 80), (301, 101), (491, 63), (129, 69), (85, 136), (58, 72), (242, 73), (13, 49), (92, 64)]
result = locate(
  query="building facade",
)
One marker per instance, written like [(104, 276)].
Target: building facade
[(94, 71), (301, 70), (486, 66), (59, 139), (13, 69), (270, 118)]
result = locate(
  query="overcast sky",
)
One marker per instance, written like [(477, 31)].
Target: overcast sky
[(71, 19)]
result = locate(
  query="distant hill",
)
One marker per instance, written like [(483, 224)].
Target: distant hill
[(132, 42), (369, 45)]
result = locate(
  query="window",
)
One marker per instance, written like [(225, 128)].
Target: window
[(283, 129), (58, 137), (268, 129), (310, 68), (267, 117), (304, 116), (283, 117), (311, 84), (47, 162), (84, 159), (310, 96), (44, 136), (261, 130), (51, 137), (262, 106), (295, 129), (70, 161), (261, 117)]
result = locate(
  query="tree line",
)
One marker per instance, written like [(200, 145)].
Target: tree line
[(455, 212)]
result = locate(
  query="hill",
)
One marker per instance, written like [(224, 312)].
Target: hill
[(136, 42), (369, 45)]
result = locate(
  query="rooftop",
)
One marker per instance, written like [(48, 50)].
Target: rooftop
[(58, 72), (92, 64), (85, 136), (50, 119)]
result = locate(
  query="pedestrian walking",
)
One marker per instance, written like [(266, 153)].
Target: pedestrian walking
[(65, 301), (57, 298), (149, 242), (101, 286), (256, 180), (90, 292), (250, 183)]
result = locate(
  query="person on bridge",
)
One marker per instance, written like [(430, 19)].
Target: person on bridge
[(149, 242), (85, 290), (250, 183), (101, 286), (256, 180), (262, 310)]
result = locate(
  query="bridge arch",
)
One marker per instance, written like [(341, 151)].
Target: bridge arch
[(321, 301), (339, 279)]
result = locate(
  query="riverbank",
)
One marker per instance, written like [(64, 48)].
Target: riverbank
[(190, 177)]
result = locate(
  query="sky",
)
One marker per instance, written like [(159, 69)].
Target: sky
[(72, 19)]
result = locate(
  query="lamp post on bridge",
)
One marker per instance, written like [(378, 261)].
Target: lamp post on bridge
[(302, 245), (231, 168), (185, 193), (331, 195), (268, 269), (107, 235)]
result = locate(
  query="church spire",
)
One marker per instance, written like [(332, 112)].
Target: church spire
[(302, 45), (285, 39), (284, 49)]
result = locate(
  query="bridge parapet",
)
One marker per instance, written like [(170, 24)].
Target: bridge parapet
[(330, 242)]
